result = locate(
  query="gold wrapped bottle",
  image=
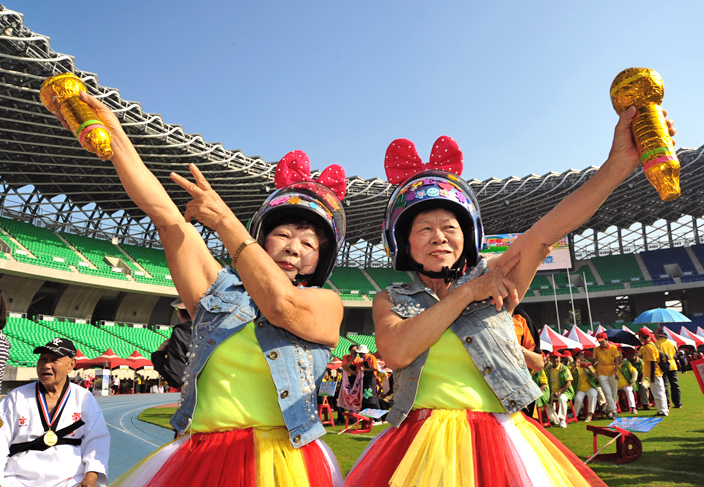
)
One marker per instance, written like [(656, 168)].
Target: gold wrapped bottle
[(60, 94), (644, 89)]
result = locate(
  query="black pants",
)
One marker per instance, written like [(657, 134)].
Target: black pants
[(673, 387), (369, 397)]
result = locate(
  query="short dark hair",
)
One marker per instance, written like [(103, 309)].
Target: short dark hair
[(3, 310), (354, 345), (301, 223)]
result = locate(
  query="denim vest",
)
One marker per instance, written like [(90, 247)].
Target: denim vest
[(297, 366), (488, 336)]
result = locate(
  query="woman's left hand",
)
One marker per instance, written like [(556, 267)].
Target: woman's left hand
[(206, 206), (624, 146)]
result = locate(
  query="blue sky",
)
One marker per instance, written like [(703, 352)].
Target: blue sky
[(522, 86)]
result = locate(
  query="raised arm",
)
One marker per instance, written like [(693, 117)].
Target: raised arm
[(192, 266), (312, 314), (573, 211), (400, 341)]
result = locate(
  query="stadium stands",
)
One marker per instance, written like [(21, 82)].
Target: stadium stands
[(657, 261), (353, 284), (97, 252), (618, 268), (342, 348), (45, 245), (541, 282), (698, 252), (348, 279), (385, 276), (25, 335), (153, 261), (367, 340)]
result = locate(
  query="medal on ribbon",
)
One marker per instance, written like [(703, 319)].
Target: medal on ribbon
[(50, 421), (50, 438)]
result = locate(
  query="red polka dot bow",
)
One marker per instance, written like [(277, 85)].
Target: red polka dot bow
[(294, 167), (402, 159)]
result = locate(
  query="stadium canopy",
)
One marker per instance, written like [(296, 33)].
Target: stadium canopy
[(48, 179)]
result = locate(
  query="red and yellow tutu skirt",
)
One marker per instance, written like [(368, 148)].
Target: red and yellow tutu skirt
[(459, 448), (241, 457)]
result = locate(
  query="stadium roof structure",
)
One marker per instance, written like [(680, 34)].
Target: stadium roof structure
[(46, 177)]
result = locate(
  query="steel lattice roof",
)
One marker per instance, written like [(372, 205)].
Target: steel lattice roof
[(74, 188)]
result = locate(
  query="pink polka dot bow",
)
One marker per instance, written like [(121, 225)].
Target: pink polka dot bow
[(402, 159), (294, 167)]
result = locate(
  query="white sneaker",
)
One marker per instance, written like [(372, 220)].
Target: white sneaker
[(563, 424)]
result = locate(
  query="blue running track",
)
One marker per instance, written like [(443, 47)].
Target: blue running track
[(131, 439)]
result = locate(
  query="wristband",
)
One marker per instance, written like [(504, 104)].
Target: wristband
[(239, 250)]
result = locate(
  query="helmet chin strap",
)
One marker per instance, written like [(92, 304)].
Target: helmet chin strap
[(448, 274), (302, 279)]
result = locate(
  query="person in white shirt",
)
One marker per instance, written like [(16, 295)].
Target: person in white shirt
[(52, 432)]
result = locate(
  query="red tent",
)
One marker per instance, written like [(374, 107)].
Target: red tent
[(550, 340), (137, 361), (107, 359), (335, 363), (680, 341), (80, 359), (579, 336), (699, 341)]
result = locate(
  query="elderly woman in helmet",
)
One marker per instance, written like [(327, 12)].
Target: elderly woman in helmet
[(461, 376), (262, 327)]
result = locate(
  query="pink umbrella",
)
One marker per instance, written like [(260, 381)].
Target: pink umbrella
[(550, 340), (599, 329), (699, 341), (579, 336), (700, 331), (679, 340)]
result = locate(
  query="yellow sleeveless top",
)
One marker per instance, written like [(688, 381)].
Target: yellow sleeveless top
[(235, 388), (450, 380)]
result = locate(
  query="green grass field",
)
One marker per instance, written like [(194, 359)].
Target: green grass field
[(673, 451)]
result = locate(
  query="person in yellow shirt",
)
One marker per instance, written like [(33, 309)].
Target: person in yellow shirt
[(561, 388), (652, 375), (666, 345), (586, 381), (606, 358), (628, 382)]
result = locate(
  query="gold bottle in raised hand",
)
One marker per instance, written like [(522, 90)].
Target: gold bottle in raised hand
[(60, 94), (644, 89)]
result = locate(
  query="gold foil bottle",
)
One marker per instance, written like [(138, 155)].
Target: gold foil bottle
[(644, 89), (60, 94)]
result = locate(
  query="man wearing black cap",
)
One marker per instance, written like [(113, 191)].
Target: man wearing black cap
[(170, 358), (52, 432)]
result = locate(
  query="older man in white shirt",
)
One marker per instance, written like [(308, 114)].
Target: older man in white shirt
[(52, 432)]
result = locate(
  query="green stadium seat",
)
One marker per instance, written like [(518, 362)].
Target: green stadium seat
[(351, 278)]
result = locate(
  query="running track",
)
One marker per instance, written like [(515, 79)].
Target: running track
[(131, 439)]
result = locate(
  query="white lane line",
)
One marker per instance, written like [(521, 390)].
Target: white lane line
[(127, 432)]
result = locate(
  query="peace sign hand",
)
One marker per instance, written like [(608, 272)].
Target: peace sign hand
[(206, 206)]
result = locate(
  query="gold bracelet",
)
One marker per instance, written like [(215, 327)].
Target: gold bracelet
[(239, 250)]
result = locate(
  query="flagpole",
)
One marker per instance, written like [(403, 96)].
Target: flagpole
[(569, 284), (557, 311), (589, 308)]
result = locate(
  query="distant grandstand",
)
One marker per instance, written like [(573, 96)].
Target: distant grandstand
[(79, 259)]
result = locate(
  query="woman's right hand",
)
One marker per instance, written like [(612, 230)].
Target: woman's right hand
[(496, 286), (106, 115), (206, 206)]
